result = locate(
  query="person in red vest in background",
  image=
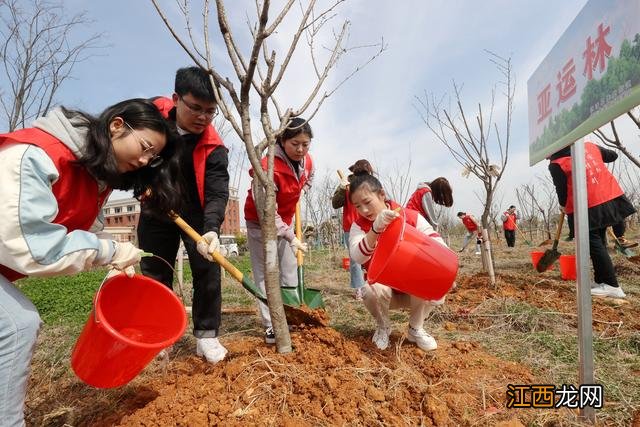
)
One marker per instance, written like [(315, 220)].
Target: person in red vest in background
[(349, 214), (292, 174), (473, 230), (509, 218), (427, 195), (203, 169), (376, 212), (607, 206), (55, 179)]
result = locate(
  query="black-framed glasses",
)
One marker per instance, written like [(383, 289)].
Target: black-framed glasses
[(153, 159), (197, 110)]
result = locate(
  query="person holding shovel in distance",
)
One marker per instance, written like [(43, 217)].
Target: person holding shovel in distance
[(292, 174), (607, 206), (473, 229), (204, 177), (376, 212), (55, 178), (509, 218), (349, 214), (422, 200)]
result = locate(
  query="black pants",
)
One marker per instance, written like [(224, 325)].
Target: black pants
[(162, 238), (603, 271), (510, 236)]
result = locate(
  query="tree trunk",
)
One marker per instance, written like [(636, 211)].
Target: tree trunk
[(265, 203)]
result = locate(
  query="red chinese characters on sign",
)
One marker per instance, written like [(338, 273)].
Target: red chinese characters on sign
[(594, 56), (544, 103), (566, 83), (595, 53)]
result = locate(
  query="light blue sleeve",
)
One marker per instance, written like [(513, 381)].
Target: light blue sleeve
[(39, 246)]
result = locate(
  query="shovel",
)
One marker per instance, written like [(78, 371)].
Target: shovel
[(528, 243), (624, 251), (551, 255), (217, 257), (312, 298), (296, 314)]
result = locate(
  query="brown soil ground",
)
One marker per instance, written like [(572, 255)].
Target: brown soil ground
[(332, 379)]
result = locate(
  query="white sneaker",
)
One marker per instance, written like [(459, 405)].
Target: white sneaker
[(477, 252), (604, 290), (211, 349), (422, 339), (381, 337)]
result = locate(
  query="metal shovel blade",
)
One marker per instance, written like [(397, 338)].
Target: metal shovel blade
[(550, 256)]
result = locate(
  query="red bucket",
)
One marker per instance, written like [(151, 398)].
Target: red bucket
[(535, 257), (131, 321), (568, 267), (409, 261), (345, 263)]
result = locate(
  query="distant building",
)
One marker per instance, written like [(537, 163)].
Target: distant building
[(121, 218), (231, 224)]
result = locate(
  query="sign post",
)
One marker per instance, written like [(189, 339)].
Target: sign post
[(590, 77)]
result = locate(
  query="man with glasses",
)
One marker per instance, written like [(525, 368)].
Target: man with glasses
[(205, 186)]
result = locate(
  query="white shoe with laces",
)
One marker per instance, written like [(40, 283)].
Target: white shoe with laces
[(381, 337), (211, 349), (604, 290), (422, 339)]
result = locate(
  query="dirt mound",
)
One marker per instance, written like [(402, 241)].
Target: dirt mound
[(328, 380)]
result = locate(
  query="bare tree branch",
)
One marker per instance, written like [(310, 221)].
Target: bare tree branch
[(38, 54), (473, 148)]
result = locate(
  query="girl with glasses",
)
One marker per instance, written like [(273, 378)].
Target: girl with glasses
[(55, 178)]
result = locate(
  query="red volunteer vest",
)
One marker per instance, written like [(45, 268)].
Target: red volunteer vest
[(288, 185), (601, 184), (349, 212), (209, 141), (510, 222), (76, 191), (468, 223), (415, 201), (411, 218)]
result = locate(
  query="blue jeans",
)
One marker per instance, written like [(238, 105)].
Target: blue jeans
[(19, 325), (357, 276)]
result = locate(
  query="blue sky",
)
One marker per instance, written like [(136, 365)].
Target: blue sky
[(372, 116)]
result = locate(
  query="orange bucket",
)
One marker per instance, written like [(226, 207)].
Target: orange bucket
[(568, 267), (131, 321), (535, 257), (345, 263), (409, 261)]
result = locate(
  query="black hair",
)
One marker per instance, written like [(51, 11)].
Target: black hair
[(459, 214), (295, 127), (99, 159), (564, 152), (196, 81), (363, 178), (441, 191), (512, 207)]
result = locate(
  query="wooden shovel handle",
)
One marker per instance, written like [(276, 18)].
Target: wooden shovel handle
[(299, 255), (613, 236), (559, 231), (217, 256)]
